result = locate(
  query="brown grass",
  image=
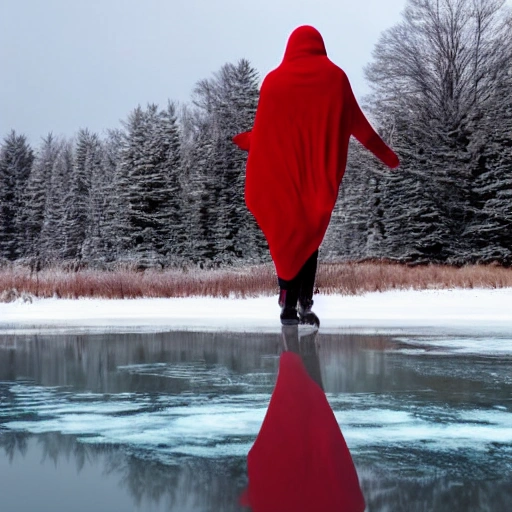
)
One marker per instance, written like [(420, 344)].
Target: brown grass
[(342, 278), (356, 278), (123, 284)]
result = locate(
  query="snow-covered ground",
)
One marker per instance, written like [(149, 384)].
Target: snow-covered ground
[(475, 311)]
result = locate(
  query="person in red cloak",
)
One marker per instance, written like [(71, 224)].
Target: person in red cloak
[(297, 157)]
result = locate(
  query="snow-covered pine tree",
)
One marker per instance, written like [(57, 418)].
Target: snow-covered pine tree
[(52, 241), (211, 96), (491, 147), (249, 242), (346, 237), (136, 227), (149, 219), (36, 196), (199, 187), (16, 159), (221, 177), (203, 195), (148, 207), (81, 217), (171, 215), (126, 191), (228, 101), (189, 133), (415, 225), (109, 228), (93, 246)]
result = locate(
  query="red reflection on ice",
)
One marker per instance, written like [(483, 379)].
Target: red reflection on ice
[(300, 461)]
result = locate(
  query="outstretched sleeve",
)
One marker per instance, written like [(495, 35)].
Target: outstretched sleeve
[(243, 140), (363, 131)]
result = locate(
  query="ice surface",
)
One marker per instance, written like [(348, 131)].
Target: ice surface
[(213, 427), (486, 346)]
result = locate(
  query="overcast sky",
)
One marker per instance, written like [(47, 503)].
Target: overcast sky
[(67, 64)]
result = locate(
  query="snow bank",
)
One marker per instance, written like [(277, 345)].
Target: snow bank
[(462, 311)]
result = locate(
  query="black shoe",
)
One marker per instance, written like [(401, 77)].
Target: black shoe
[(306, 315), (289, 316)]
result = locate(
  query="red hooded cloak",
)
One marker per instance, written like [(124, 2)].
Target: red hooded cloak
[(298, 149)]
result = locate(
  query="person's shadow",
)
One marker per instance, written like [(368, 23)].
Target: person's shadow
[(300, 461)]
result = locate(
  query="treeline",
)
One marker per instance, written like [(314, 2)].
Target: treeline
[(167, 188)]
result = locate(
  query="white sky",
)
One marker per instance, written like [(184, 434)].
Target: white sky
[(66, 64)]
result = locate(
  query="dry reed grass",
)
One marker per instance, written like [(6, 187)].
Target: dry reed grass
[(342, 278), (125, 284), (357, 278)]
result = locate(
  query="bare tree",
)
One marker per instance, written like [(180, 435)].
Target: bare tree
[(435, 76), (444, 60)]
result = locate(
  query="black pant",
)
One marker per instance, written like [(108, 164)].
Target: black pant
[(302, 285)]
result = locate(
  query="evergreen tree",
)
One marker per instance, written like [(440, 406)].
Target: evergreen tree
[(171, 215), (36, 195), (491, 148), (16, 159), (347, 233), (203, 200), (131, 144), (147, 182), (81, 214), (416, 226), (110, 206), (53, 241), (227, 103), (198, 187), (93, 249)]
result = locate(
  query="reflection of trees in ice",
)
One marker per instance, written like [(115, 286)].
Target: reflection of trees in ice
[(191, 485), (384, 493), (361, 363), (204, 484), (93, 362), (13, 443)]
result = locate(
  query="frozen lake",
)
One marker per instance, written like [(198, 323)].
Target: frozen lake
[(164, 421)]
